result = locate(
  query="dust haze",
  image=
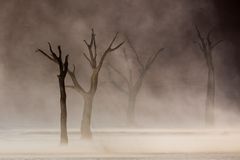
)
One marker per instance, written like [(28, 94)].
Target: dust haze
[(174, 89)]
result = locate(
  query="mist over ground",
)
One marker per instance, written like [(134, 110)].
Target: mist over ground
[(174, 90)]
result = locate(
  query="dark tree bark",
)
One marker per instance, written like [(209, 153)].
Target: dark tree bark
[(206, 46), (63, 69), (64, 136), (133, 87), (88, 96)]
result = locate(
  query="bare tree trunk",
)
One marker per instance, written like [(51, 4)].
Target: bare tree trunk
[(134, 90), (63, 135), (96, 67), (86, 120), (134, 87), (206, 45), (131, 109), (210, 97), (63, 69)]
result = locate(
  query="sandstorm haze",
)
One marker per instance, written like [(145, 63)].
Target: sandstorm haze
[(173, 93)]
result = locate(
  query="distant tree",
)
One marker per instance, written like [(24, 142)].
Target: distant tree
[(88, 95), (206, 46), (63, 69), (133, 87)]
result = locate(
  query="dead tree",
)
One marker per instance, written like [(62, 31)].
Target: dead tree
[(133, 87), (63, 69), (206, 46), (88, 95)]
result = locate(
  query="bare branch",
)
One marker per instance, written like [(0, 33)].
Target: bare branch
[(202, 41), (90, 46), (50, 47), (45, 54), (206, 45), (71, 72), (118, 72), (112, 49), (118, 86), (92, 50), (114, 38), (65, 69), (152, 59), (109, 50), (95, 46), (90, 62), (60, 52), (89, 49), (198, 32), (77, 86), (200, 47), (209, 37), (135, 52), (86, 43), (216, 43), (63, 66), (51, 50), (92, 37)]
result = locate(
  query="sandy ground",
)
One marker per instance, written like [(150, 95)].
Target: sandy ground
[(130, 157), (121, 143)]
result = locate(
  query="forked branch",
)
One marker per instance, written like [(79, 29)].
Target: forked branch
[(76, 85), (91, 50), (206, 44), (135, 52), (56, 58), (151, 59), (109, 50)]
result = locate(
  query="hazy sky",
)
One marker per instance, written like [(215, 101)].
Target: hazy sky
[(173, 93)]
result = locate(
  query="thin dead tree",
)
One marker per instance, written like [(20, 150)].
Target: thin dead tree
[(63, 69), (96, 66), (206, 46), (133, 86)]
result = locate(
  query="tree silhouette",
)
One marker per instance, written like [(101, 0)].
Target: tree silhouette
[(63, 69), (206, 46), (133, 87), (96, 66)]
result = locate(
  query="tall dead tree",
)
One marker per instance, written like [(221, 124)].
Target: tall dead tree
[(96, 66), (206, 46), (133, 87), (63, 69)]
